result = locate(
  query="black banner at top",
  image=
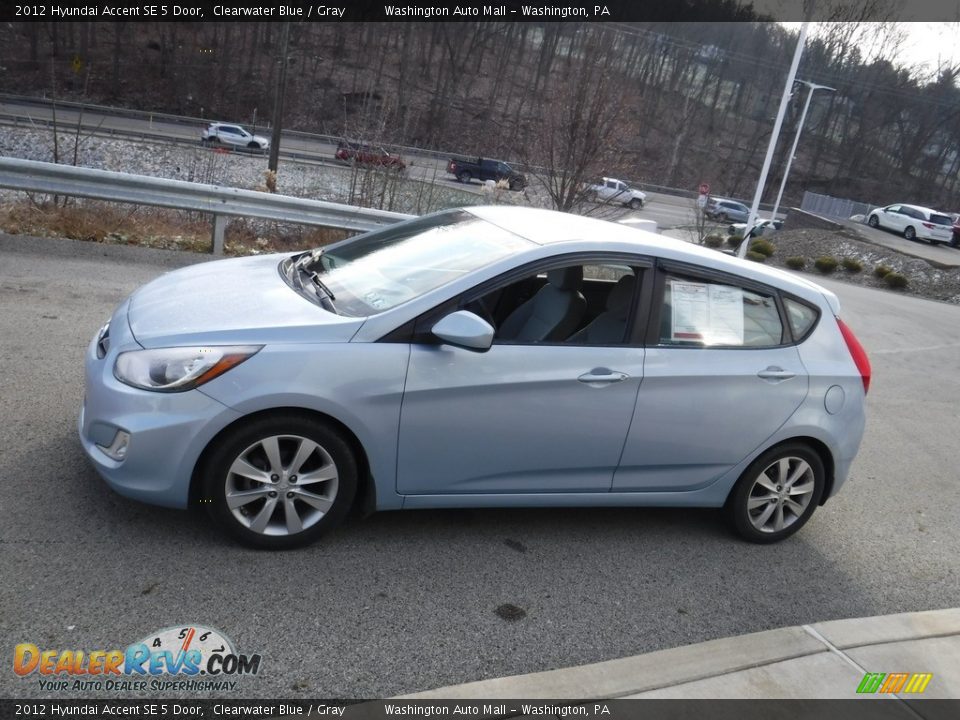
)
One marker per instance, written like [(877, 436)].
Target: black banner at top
[(471, 11)]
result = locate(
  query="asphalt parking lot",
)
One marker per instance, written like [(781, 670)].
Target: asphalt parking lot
[(404, 602)]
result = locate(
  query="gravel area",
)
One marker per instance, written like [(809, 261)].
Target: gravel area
[(923, 278)]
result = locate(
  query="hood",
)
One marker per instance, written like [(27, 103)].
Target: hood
[(241, 300)]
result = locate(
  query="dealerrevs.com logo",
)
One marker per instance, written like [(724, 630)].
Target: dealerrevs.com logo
[(175, 658)]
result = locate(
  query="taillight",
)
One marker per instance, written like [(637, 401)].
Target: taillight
[(858, 354), (452, 166), (928, 225)]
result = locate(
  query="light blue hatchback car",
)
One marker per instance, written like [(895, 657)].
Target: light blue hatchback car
[(483, 357)]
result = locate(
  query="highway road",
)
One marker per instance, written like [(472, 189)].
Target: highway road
[(668, 211), (407, 601)]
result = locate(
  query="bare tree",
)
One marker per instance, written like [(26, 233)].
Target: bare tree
[(576, 134)]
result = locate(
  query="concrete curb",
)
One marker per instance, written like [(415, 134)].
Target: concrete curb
[(665, 668)]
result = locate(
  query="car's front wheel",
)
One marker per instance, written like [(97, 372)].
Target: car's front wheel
[(280, 481), (777, 494), (636, 204)]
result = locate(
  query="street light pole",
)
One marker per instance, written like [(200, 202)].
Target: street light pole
[(784, 99), (796, 139)]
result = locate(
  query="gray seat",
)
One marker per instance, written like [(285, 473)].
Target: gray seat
[(550, 315), (609, 326)]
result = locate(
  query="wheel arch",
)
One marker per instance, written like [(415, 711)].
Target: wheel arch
[(365, 501), (817, 446)]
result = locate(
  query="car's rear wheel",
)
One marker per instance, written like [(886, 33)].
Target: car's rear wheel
[(280, 481), (464, 176), (635, 204), (213, 140), (910, 234), (873, 221), (777, 494)]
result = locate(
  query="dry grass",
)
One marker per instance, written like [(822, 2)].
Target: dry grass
[(118, 224)]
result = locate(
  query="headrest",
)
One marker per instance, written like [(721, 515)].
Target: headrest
[(568, 278), (621, 297)]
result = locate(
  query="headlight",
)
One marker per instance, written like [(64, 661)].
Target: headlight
[(178, 369)]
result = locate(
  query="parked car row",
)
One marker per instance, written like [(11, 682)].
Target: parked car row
[(915, 223)]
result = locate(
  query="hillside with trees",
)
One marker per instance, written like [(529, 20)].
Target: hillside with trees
[(664, 104)]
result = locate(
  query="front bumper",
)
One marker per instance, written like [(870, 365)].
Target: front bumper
[(167, 431)]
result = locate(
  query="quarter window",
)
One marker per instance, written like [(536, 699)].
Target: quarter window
[(706, 313), (801, 317)]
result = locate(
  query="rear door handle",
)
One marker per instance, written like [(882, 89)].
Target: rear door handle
[(602, 376), (775, 373)]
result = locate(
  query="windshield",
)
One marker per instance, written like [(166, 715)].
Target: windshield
[(382, 269)]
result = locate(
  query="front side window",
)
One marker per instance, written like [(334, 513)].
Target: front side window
[(697, 312), (581, 304)]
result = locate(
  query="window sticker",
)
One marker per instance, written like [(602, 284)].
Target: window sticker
[(707, 313)]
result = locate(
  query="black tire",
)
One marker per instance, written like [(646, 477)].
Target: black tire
[(253, 146), (464, 177), (516, 186), (213, 140), (635, 204), (289, 429), (873, 221), (910, 233), (742, 508)]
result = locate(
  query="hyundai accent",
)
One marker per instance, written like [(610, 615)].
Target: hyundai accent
[(481, 357)]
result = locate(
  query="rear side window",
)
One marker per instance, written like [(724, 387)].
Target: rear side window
[(801, 317), (704, 313), (940, 219)]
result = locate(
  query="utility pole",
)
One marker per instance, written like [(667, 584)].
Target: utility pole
[(796, 139), (278, 101)]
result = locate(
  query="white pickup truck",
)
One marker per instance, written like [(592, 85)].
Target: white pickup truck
[(613, 190)]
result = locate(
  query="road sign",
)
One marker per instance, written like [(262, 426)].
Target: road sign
[(701, 201), (704, 188)]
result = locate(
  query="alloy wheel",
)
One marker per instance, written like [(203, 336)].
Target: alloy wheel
[(781, 494), (281, 485)]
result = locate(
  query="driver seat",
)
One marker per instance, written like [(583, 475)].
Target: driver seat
[(550, 315)]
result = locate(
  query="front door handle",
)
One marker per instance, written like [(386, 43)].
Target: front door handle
[(599, 377), (775, 373)]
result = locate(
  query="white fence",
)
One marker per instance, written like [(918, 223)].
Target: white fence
[(831, 207)]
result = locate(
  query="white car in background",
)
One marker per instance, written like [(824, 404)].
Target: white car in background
[(613, 190), (914, 222), (233, 135), (761, 228)]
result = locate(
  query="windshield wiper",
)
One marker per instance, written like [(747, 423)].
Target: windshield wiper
[(320, 284)]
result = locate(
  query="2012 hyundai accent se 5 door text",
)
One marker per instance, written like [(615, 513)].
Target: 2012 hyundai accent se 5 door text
[(484, 357)]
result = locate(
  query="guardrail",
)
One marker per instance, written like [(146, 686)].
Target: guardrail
[(220, 202)]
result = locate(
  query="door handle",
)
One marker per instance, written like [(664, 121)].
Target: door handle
[(602, 376), (775, 373)]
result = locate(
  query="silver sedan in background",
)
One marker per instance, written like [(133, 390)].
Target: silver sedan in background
[(483, 357)]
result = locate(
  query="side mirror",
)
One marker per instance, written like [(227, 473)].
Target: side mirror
[(466, 330)]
